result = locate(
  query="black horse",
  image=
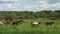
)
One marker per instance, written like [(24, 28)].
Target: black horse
[(49, 23), (17, 22)]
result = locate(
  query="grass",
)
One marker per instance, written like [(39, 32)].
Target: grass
[(26, 28)]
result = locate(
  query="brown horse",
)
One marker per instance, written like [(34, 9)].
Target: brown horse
[(17, 22), (2, 22)]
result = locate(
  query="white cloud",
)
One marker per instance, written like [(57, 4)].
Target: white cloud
[(9, 0), (38, 5), (12, 0), (56, 5), (42, 5)]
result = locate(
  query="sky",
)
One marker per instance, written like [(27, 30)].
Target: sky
[(29, 5)]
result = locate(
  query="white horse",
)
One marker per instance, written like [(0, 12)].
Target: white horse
[(35, 23)]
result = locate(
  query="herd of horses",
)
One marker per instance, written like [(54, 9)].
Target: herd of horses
[(16, 22), (35, 23), (13, 22)]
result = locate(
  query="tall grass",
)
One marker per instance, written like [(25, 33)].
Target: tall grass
[(26, 28)]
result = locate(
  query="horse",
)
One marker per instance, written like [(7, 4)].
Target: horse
[(1, 23), (49, 23), (34, 23), (17, 22)]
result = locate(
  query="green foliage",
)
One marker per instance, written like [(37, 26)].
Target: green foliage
[(30, 14)]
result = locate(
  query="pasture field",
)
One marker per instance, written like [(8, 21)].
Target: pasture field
[(26, 28)]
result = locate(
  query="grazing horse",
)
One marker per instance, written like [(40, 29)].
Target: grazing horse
[(8, 20), (49, 23), (16, 22), (34, 23), (1, 23)]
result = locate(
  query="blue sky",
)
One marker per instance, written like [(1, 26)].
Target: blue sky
[(29, 5)]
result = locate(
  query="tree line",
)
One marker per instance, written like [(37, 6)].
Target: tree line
[(30, 14)]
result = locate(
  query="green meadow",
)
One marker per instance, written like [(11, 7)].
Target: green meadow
[(26, 28)]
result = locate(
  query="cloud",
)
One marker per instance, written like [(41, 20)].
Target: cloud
[(9, 0), (14, 1), (39, 5), (30, 5), (43, 5)]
